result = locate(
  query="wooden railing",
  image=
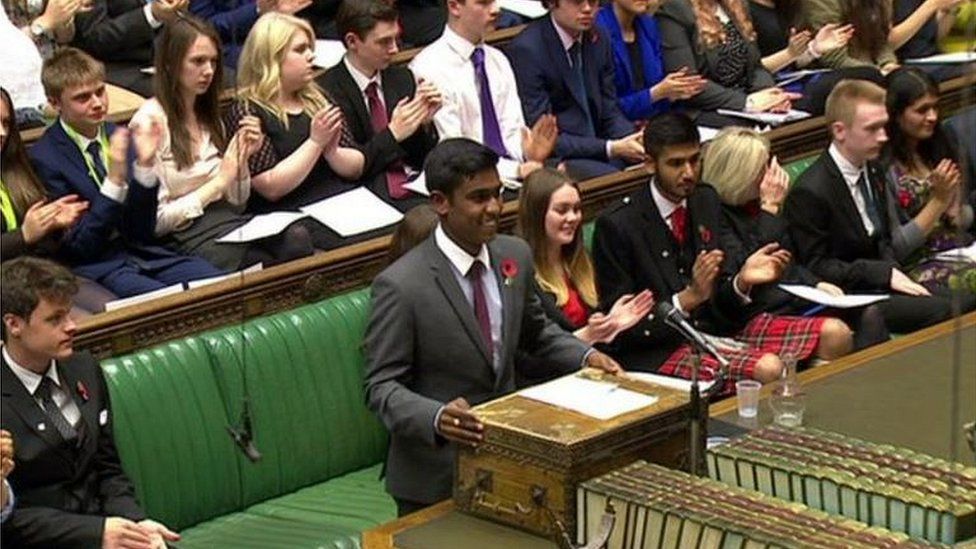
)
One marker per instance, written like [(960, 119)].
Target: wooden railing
[(313, 278)]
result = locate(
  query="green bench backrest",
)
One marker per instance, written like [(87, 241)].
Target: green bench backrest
[(797, 167), (304, 373)]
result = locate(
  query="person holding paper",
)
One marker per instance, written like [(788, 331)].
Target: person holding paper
[(69, 483), (752, 187), (113, 243), (550, 218), (446, 322), (204, 181), (837, 214), (389, 115), (666, 236), (307, 153), (927, 190)]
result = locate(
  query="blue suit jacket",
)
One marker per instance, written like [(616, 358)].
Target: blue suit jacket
[(543, 75), (635, 103), (108, 232), (233, 19)]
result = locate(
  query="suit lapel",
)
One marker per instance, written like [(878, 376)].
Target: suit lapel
[(71, 154), (361, 122), (840, 188), (560, 57), (657, 235), (444, 277), (30, 413)]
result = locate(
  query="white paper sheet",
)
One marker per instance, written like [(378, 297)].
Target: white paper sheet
[(418, 185), (533, 9), (141, 298), (207, 281), (847, 301), (771, 118), (262, 226), (328, 53), (953, 58), (678, 383), (353, 212), (784, 78), (967, 254), (707, 134), (599, 399)]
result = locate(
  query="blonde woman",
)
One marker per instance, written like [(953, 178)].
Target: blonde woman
[(752, 186), (307, 154)]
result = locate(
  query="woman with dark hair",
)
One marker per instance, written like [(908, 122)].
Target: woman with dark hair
[(414, 228), (204, 182), (781, 40), (716, 39), (29, 224), (871, 20), (926, 188)]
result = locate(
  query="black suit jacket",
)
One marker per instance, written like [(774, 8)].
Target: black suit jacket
[(633, 249), (380, 149), (828, 232), (115, 30), (64, 492)]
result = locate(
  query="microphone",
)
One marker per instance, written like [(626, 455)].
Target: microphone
[(673, 318)]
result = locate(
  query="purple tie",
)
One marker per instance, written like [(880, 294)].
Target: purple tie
[(481, 305), (490, 131)]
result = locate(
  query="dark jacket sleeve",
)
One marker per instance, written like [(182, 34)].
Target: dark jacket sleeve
[(12, 244), (50, 527), (232, 23), (113, 29)]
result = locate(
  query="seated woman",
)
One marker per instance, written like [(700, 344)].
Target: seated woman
[(925, 185), (716, 39), (643, 89), (306, 154), (550, 218), (752, 187), (29, 224), (782, 43), (204, 182), (869, 47), (919, 26)]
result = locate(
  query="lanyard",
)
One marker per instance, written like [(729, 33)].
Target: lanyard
[(80, 142), (8, 208)]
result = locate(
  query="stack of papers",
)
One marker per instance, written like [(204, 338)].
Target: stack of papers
[(213, 280), (262, 226), (598, 399), (846, 301), (142, 298), (771, 118), (967, 254), (952, 58), (328, 53), (678, 383), (353, 212)]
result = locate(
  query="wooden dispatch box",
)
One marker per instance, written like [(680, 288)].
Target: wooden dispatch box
[(534, 455)]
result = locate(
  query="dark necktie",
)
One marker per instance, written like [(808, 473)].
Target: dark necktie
[(481, 305), (579, 80), (869, 204), (53, 412), (679, 222), (95, 152), (396, 176), (490, 132)]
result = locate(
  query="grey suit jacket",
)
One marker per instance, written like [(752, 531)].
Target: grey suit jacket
[(424, 349)]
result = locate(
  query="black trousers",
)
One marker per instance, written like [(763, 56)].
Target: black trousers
[(405, 506), (904, 313)]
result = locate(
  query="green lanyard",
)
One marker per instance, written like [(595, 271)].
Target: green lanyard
[(80, 142), (8, 208)]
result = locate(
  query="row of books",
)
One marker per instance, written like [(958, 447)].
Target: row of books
[(880, 485), (659, 508)]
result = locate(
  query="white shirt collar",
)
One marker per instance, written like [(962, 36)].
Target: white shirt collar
[(30, 379), (85, 140), (850, 172), (664, 206), (361, 80), (460, 259), (458, 43), (564, 36)]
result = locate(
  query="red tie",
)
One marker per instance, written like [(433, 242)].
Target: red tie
[(481, 305), (679, 222), (396, 177)]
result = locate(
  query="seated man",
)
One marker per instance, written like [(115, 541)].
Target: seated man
[(564, 66), (388, 116), (447, 320), (478, 90), (113, 242), (837, 213), (70, 487), (665, 237)]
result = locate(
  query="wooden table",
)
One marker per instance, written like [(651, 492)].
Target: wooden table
[(896, 393)]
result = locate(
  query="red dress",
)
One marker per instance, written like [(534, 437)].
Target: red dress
[(575, 309)]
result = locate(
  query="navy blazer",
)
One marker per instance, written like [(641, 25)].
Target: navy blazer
[(101, 239), (233, 19), (543, 74), (635, 103)]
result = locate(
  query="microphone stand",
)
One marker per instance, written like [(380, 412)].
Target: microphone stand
[(698, 417)]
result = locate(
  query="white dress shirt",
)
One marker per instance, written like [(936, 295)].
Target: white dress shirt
[(362, 82), (851, 174), (447, 64), (117, 193), (59, 393)]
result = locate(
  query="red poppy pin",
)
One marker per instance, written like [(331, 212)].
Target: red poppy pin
[(704, 234), (594, 37), (509, 270), (82, 391), (904, 198)]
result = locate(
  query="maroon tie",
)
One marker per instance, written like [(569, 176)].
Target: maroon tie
[(679, 222), (481, 305), (396, 177)]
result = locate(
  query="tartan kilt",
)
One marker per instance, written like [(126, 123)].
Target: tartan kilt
[(765, 334)]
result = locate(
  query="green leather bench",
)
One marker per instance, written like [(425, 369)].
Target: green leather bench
[(318, 482)]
